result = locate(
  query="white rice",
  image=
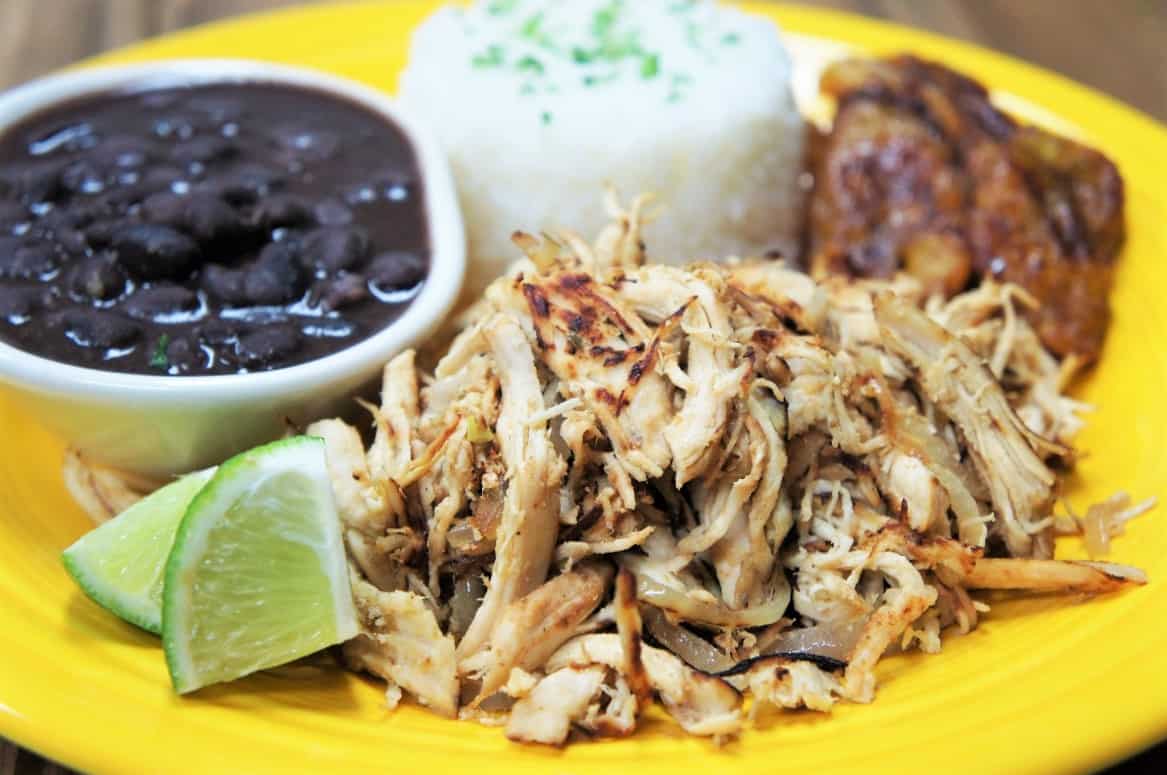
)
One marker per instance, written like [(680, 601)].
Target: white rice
[(540, 103)]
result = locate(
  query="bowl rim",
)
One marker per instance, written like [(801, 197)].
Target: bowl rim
[(23, 369)]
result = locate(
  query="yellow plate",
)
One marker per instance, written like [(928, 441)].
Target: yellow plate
[(1049, 685)]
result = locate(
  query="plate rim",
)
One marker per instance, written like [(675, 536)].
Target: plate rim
[(826, 24)]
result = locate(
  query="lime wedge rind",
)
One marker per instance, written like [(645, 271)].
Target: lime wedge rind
[(257, 576), (120, 565)]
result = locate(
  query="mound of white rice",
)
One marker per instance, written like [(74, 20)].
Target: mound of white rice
[(539, 103)]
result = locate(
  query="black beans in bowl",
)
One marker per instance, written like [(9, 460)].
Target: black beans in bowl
[(208, 229)]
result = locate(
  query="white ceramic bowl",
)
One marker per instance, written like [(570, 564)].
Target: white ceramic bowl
[(157, 425)]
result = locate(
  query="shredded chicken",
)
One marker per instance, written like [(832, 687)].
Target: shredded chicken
[(787, 479), (775, 480), (102, 492), (402, 643)]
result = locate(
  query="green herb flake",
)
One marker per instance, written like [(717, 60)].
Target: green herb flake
[(527, 89), (501, 7), (674, 96), (682, 7), (595, 80), (650, 66), (581, 56), (604, 19), (159, 359), (693, 35), (614, 49), (492, 57), (531, 65), (545, 117), (730, 39), (530, 28)]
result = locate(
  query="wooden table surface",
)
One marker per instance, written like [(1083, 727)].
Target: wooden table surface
[(1117, 46)]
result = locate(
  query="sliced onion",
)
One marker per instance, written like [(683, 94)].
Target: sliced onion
[(1114, 570), (468, 592), (693, 649), (665, 590), (825, 640)]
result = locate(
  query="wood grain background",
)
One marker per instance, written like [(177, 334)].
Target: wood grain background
[(1117, 46)]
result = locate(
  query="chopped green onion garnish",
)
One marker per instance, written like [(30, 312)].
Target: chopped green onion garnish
[(545, 117), (581, 56), (500, 7), (531, 26), (159, 359), (492, 57), (730, 39), (531, 64), (650, 66), (605, 18)]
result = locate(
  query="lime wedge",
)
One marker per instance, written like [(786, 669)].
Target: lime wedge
[(121, 564), (257, 577)]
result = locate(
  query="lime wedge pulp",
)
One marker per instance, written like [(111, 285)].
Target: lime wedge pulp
[(257, 577), (121, 563)]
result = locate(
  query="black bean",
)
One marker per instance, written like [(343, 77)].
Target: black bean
[(99, 234), (333, 212), (395, 270), (334, 248), (164, 207), (223, 284), (160, 300), (360, 194), (183, 356), (160, 178), (217, 331), (99, 328), (203, 216), (123, 151), (72, 241), (12, 213), (37, 181), (282, 210), (345, 290), (276, 276), (175, 126), (245, 183), (204, 150), (83, 177), (27, 262), (150, 180), (395, 185), (59, 218), (309, 144), (265, 345), (212, 221), (20, 301), (153, 251), (98, 277)]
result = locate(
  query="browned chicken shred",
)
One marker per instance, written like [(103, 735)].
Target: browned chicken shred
[(627, 481)]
